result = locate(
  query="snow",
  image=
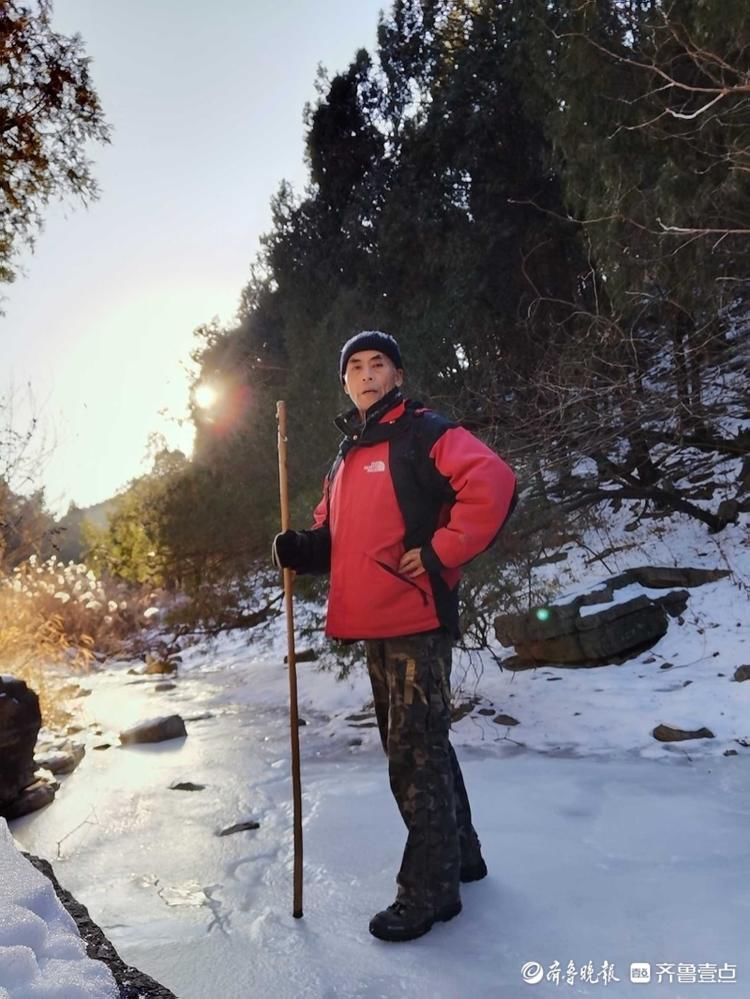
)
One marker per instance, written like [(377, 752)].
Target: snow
[(41, 954), (604, 846)]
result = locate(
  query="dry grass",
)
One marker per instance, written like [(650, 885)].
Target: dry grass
[(54, 619)]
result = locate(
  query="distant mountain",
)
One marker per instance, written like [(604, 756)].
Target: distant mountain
[(68, 541)]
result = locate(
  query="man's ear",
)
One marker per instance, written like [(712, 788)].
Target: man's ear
[(399, 377)]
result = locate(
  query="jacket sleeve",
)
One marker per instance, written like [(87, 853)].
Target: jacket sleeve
[(314, 546), (485, 492)]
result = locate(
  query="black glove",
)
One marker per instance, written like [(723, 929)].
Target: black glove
[(285, 550)]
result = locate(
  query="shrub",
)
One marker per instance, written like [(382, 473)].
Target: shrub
[(57, 617)]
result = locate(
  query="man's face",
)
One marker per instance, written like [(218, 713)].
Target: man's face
[(369, 376)]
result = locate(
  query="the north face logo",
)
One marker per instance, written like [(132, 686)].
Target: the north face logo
[(375, 466)]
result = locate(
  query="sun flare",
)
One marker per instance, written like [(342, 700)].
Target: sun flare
[(205, 395)]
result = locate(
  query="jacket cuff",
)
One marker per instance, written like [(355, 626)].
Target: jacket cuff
[(430, 560)]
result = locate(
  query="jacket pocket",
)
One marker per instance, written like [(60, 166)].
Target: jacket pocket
[(404, 579)]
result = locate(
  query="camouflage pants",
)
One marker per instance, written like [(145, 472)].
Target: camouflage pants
[(410, 679)]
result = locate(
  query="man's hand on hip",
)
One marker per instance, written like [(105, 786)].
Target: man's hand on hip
[(411, 563)]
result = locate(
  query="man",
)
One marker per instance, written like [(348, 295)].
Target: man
[(410, 498)]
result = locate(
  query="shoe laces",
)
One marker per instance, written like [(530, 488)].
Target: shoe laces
[(399, 907)]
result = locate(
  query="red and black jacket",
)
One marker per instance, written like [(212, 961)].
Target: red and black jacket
[(406, 478)]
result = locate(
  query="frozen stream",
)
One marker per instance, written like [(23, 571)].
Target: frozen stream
[(607, 859)]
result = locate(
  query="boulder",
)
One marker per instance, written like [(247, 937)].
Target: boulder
[(20, 720), (154, 730), (742, 673), (61, 761), (37, 795), (563, 636)]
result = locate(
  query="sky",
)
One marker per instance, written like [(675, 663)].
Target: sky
[(206, 104), (610, 854)]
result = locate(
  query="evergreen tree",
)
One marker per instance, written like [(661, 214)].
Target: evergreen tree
[(48, 112)]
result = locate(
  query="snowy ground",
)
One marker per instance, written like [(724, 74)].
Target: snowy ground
[(41, 954), (605, 847)]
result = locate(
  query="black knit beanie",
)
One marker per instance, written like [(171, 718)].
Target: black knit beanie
[(369, 340)]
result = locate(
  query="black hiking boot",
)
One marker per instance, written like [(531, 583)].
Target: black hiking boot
[(402, 921), (474, 872)]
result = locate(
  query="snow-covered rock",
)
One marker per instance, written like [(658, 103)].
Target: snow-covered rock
[(41, 952)]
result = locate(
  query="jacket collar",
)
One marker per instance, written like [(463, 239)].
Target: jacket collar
[(350, 424)]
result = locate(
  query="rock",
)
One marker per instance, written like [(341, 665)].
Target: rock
[(459, 711), (31, 799), (502, 719), (354, 742), (730, 752), (301, 722), (665, 577), (46, 777), (305, 656), (68, 690), (514, 664), (154, 730), (668, 733), (62, 761), (742, 673), (104, 745), (674, 602), (156, 666), (486, 711), (550, 559), (239, 827), (20, 721), (565, 637), (728, 512), (166, 685), (186, 785)]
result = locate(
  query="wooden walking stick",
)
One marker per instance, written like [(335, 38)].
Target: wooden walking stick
[(292, 660)]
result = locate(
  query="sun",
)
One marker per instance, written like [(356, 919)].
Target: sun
[(205, 395)]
